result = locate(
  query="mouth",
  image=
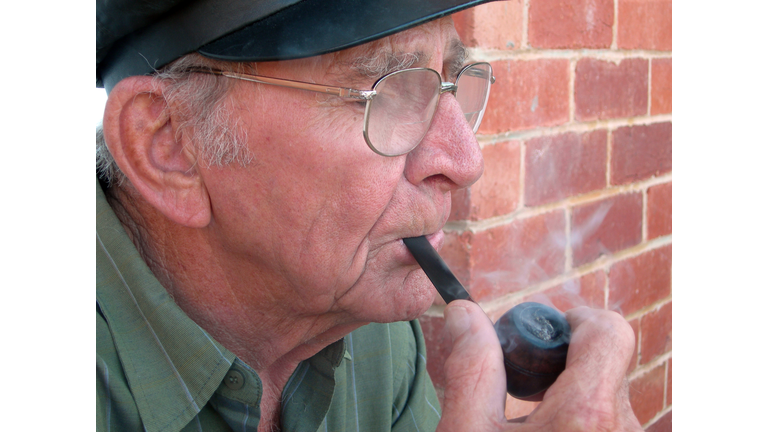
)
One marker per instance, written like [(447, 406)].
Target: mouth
[(436, 239)]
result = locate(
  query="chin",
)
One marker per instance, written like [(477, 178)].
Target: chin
[(415, 297)]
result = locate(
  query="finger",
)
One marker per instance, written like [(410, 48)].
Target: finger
[(596, 334), (591, 394), (475, 387)]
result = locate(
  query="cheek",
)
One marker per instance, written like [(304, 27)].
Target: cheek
[(352, 200), (351, 185), (321, 191)]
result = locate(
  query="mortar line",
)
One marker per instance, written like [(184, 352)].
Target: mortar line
[(527, 212), (526, 53), (602, 263), (647, 367), (658, 416), (649, 308), (580, 127), (497, 304)]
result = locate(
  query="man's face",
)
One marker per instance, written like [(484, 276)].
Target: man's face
[(318, 217)]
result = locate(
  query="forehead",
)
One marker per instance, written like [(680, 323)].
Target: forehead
[(431, 40), (429, 45), (433, 44)]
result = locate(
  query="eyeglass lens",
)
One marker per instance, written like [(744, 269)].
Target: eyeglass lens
[(401, 112), (402, 109), (473, 88)]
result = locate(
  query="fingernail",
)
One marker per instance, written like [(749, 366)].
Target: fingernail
[(457, 321)]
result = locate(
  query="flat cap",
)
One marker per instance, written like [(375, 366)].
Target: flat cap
[(137, 37)]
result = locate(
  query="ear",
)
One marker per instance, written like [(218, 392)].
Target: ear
[(140, 129)]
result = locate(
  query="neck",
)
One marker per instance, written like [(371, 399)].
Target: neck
[(249, 315)]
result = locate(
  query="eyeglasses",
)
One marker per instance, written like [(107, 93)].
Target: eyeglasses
[(401, 105)]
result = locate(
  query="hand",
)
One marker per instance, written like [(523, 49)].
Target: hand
[(590, 395)]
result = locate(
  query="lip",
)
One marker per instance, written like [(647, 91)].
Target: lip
[(436, 239)]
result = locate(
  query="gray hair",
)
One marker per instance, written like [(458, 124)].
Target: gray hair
[(211, 127), (382, 63)]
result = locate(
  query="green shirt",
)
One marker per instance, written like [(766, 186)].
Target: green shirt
[(157, 370)]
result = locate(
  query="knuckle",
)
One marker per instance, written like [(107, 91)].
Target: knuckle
[(614, 329)]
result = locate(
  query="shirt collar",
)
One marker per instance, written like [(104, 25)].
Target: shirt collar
[(172, 365)]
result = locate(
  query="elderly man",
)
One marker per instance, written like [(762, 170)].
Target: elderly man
[(250, 214)]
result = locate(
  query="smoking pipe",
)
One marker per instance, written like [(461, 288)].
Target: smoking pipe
[(534, 337)]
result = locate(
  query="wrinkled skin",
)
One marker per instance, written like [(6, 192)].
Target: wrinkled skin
[(590, 395)]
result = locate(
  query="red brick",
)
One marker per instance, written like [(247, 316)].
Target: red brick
[(606, 226), (497, 25), (640, 281), (645, 24), (604, 90), (656, 327), (570, 24), (560, 166), (659, 210), (664, 424), (661, 86), (640, 152), (669, 382), (438, 343), (588, 290), (510, 257), (498, 190), (646, 394), (635, 324), (527, 94)]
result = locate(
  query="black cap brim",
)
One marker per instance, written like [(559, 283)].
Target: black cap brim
[(315, 27), (242, 30)]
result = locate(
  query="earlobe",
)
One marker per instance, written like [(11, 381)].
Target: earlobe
[(142, 134)]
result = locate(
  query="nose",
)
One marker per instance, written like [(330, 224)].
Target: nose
[(449, 154)]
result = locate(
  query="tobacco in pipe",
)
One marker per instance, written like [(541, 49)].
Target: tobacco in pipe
[(534, 337)]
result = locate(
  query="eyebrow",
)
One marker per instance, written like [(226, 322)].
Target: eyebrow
[(367, 67), (455, 58), (382, 63)]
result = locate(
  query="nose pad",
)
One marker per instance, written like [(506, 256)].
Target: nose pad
[(447, 87), (449, 150)]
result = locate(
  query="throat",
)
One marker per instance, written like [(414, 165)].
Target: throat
[(270, 410), (269, 422), (271, 400)]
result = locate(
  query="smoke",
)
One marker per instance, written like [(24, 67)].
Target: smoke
[(590, 226), (535, 250)]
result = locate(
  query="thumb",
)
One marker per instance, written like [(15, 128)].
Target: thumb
[(475, 388)]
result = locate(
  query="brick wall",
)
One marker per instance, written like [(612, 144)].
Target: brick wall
[(574, 206)]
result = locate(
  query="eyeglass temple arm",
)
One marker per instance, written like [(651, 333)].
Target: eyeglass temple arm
[(480, 74), (337, 91)]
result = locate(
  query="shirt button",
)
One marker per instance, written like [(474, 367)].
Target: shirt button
[(234, 380)]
